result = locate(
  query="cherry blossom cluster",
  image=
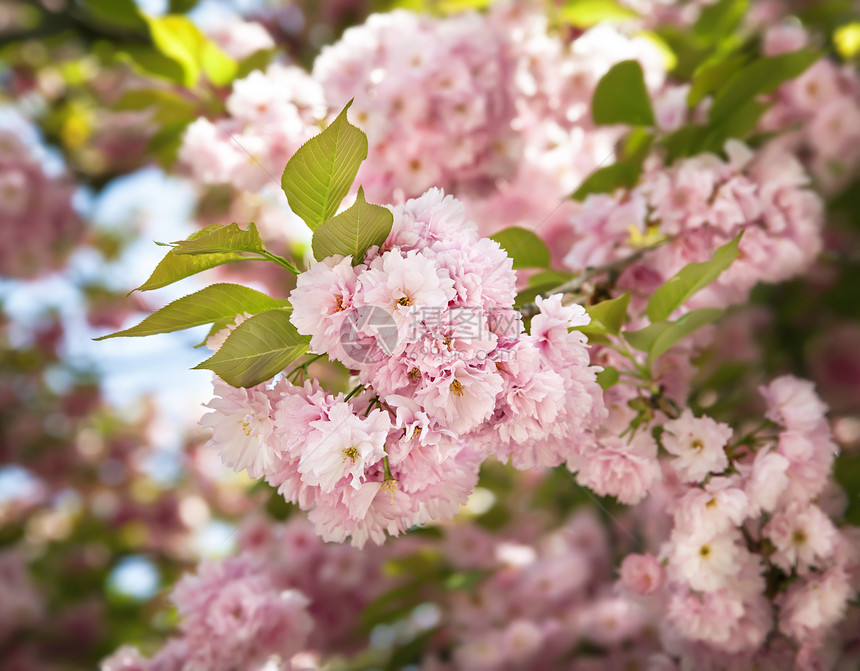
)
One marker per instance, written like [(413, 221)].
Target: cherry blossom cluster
[(286, 594), (820, 109), (270, 114), (753, 564), (239, 38), (554, 81), (742, 567), (733, 562), (435, 97), (697, 204), (447, 377), (39, 221)]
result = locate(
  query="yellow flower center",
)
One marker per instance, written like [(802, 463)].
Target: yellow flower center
[(350, 453), (697, 445), (406, 301), (457, 388), (705, 551), (390, 486)]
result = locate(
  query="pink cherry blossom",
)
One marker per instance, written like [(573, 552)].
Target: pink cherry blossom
[(242, 428), (793, 403), (343, 446), (804, 537), (323, 300), (697, 444), (641, 574), (616, 468)]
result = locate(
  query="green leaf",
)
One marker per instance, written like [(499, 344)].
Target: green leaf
[(846, 39), (739, 124), (149, 61), (689, 51), (259, 60), (181, 6), (690, 280), (529, 295), (680, 329), (644, 339), (621, 97), (658, 337), (257, 350), (123, 14), (524, 247), (588, 13), (623, 174), (218, 67), (352, 232), (459, 6), (175, 266), (712, 75), (222, 239), (720, 19), (322, 171), (608, 377), (216, 303), (846, 472), (178, 38), (759, 77), (551, 277), (609, 315), (165, 144), (166, 106)]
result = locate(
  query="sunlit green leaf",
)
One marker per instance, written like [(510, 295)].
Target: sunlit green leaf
[(621, 97), (588, 13), (178, 38), (691, 279), (215, 303), (624, 173), (259, 60), (657, 338), (712, 75), (608, 377), (257, 350), (218, 67), (352, 232), (322, 171), (175, 266), (609, 316), (552, 277), (524, 247), (222, 239), (122, 14), (846, 39), (720, 19), (149, 61), (457, 6), (165, 106), (681, 328), (761, 76)]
